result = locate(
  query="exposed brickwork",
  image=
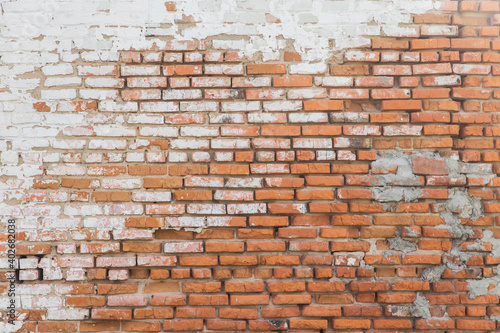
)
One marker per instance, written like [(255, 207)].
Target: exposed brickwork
[(187, 187)]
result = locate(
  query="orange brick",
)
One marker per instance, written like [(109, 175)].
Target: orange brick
[(253, 69)]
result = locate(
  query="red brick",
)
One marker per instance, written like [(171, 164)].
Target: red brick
[(253, 69)]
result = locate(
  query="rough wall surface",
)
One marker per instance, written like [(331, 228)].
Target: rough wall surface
[(293, 166)]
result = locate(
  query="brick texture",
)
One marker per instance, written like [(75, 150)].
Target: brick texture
[(183, 185)]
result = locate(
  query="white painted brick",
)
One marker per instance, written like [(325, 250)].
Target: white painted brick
[(100, 56), (312, 143), (308, 117), (389, 56), (37, 131), (182, 94), (134, 157), (247, 182), (82, 210), (114, 157), (68, 144), (439, 30), (230, 144), (9, 157), (104, 222), (66, 170), (361, 56), (28, 275), (203, 209), (160, 106), (325, 155), (349, 117), (114, 130), (346, 155), (115, 261), (156, 196), (29, 144), (240, 106), (335, 81), (403, 130), (131, 234), (195, 181), (30, 263), (177, 157), (118, 274), (96, 70), (306, 68), (182, 247), (62, 81), (66, 248), (201, 156), (59, 94), (99, 94), (189, 144), (223, 156), (283, 106), (185, 222), (60, 69), (263, 118), (75, 274), (199, 131), (257, 81), (107, 144), (395, 31), (140, 70), (123, 209), (229, 44), (162, 131), (142, 118), (111, 106), (67, 314), (224, 69), (103, 82), (306, 93), (224, 118), (60, 223), (250, 208), (121, 183), (211, 82), (199, 106), (39, 302), (94, 158)]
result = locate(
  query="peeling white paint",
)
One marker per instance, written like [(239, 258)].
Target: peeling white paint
[(459, 205)]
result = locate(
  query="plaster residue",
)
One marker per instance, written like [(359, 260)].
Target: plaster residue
[(460, 205), (395, 182), (487, 285), (420, 308), (400, 244), (313, 28)]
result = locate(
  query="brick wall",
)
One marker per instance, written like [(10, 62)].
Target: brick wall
[(187, 166)]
